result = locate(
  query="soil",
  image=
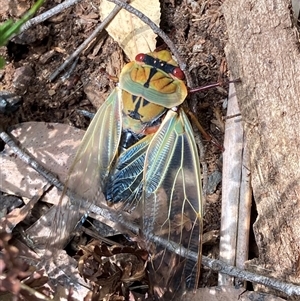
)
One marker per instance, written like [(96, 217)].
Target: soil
[(197, 29)]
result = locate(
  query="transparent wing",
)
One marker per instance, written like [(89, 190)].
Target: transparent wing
[(124, 184), (98, 149), (172, 202), (96, 153)]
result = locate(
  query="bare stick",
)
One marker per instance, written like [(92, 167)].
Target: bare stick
[(34, 292), (217, 265), (48, 14), (232, 165), (159, 32), (98, 29), (245, 198)]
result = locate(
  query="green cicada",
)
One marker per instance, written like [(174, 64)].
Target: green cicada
[(139, 151)]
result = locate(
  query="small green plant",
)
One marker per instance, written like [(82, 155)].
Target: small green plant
[(10, 28)]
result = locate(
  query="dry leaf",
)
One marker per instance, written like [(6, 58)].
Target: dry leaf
[(112, 270), (53, 145), (132, 34), (18, 214)]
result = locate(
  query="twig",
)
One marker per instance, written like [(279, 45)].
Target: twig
[(213, 264), (242, 244), (48, 14), (34, 292), (232, 166), (159, 32), (218, 265), (98, 29)]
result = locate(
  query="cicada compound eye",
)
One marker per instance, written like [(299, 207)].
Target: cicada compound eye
[(140, 57), (177, 72)]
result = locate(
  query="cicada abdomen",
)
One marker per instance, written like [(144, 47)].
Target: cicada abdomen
[(139, 152)]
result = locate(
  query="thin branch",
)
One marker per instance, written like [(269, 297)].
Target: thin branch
[(244, 214), (231, 185), (48, 14), (74, 55), (216, 265), (34, 292)]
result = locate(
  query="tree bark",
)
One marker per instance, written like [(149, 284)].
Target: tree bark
[(263, 52)]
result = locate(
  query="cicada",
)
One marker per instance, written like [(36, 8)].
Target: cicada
[(139, 152)]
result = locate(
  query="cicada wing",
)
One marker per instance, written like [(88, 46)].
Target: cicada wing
[(98, 149), (125, 186), (96, 152), (125, 183), (172, 201)]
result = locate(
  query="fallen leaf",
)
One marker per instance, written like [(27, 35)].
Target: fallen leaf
[(54, 147), (132, 34), (18, 214)]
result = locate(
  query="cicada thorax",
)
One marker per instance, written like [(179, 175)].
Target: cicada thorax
[(139, 114), (149, 87), (156, 77)]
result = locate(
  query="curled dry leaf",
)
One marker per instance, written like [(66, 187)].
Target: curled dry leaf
[(133, 35), (17, 215), (111, 270)]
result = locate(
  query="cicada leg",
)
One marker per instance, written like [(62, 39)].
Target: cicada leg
[(194, 119), (207, 136)]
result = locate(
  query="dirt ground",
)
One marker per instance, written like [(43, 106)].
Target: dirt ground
[(196, 27)]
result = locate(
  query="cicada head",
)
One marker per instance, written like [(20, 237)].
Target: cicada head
[(156, 77), (163, 56)]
